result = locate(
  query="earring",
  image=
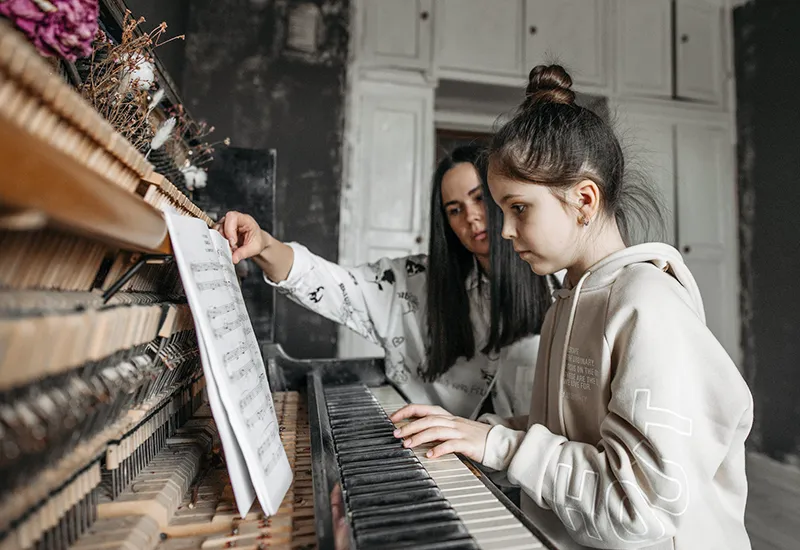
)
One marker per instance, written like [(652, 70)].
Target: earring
[(584, 221)]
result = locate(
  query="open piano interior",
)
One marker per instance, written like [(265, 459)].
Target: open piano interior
[(106, 437)]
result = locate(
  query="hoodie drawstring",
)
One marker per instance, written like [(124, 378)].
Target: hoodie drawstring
[(572, 309)]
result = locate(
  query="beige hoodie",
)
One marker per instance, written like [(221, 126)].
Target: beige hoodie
[(638, 416)]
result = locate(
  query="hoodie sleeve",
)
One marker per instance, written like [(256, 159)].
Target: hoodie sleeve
[(369, 299), (677, 403)]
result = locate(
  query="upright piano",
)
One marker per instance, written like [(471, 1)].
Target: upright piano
[(106, 438)]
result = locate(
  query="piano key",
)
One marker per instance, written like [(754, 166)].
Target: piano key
[(411, 516), (404, 497), (468, 496), (400, 510), (389, 488), (439, 531), (412, 473)]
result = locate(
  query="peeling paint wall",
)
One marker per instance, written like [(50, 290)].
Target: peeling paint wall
[(271, 75), (768, 77), (175, 14)]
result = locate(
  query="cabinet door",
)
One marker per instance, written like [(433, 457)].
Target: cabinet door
[(707, 209), (477, 36), (389, 193), (649, 145), (698, 39), (644, 47), (573, 33), (397, 34)]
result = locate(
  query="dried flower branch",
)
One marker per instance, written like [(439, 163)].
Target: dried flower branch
[(120, 76)]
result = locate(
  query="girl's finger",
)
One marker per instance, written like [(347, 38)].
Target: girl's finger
[(423, 424), (414, 410), (449, 446), (438, 433)]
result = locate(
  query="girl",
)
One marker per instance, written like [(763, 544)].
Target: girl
[(638, 418), (438, 318)]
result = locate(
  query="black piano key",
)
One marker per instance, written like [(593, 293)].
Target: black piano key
[(355, 408), (389, 487), (370, 478), (426, 532), (351, 428), (400, 510), (367, 443), (355, 436), (388, 451), (361, 422), (413, 517), (453, 544), (358, 502), (369, 466)]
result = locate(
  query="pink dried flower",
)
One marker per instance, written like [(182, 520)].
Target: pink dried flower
[(56, 27)]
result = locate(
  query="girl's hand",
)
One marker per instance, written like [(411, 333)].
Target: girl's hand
[(243, 233), (458, 435)]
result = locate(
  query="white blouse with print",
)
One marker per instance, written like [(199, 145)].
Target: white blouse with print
[(386, 303)]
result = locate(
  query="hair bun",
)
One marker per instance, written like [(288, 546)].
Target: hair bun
[(549, 84)]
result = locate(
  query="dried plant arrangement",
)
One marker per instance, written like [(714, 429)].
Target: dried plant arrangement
[(195, 150), (118, 78)]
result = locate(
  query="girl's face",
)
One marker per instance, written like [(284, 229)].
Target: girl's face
[(462, 198), (544, 230)]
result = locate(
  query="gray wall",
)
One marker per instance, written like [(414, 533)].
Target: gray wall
[(768, 77), (245, 76), (176, 14)]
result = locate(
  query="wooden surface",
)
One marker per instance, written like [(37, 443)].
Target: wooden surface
[(40, 178), (773, 504)]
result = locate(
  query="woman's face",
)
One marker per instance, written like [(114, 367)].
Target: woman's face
[(462, 198)]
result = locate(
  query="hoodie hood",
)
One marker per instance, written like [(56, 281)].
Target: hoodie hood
[(663, 256)]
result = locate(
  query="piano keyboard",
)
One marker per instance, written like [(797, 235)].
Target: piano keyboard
[(397, 497)]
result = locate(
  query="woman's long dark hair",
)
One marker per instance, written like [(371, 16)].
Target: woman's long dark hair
[(519, 297)]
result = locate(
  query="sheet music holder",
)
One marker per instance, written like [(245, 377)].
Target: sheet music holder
[(236, 378)]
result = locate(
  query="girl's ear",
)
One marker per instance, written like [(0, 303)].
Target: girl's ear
[(587, 197)]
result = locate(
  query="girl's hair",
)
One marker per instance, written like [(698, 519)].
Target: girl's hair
[(519, 298), (554, 142)]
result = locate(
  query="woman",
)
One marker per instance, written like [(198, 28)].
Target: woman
[(456, 326), (638, 416)]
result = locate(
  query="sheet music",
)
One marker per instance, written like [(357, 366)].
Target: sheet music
[(239, 393)]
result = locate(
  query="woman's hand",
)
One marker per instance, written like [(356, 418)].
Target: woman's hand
[(243, 233), (458, 435)]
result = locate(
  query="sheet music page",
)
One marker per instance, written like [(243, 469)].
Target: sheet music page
[(233, 363)]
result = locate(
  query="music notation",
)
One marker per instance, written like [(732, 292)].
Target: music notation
[(251, 395), (273, 460), (208, 245), (268, 441), (242, 372), (237, 384), (200, 267), (213, 285), (217, 311), (229, 326), (235, 353)]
